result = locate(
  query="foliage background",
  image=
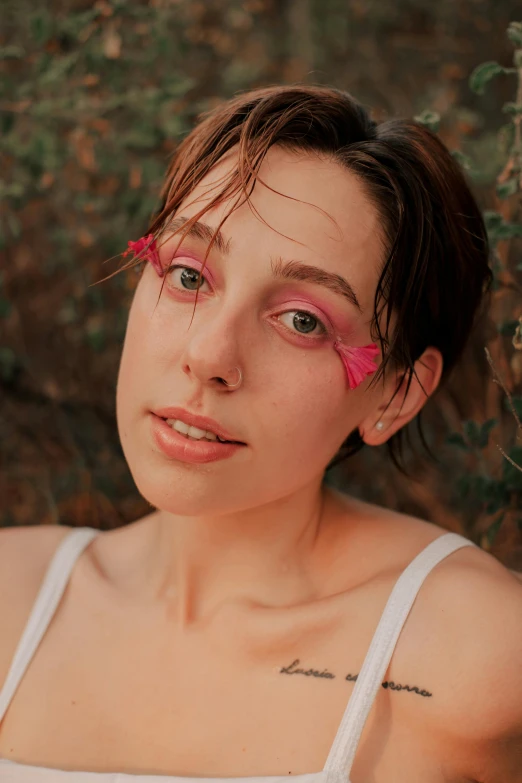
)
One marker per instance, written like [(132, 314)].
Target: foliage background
[(94, 98)]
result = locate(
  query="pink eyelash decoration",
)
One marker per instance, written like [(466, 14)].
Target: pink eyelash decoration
[(358, 362), (146, 243)]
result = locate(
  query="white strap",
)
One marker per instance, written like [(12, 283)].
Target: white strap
[(49, 595), (373, 670)]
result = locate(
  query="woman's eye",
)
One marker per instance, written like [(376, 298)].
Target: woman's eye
[(185, 277), (303, 322)]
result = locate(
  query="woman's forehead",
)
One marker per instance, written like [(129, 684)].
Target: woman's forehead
[(303, 204)]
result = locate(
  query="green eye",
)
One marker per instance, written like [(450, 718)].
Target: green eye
[(303, 322), (188, 278)]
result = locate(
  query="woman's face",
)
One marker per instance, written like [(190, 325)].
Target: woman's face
[(294, 407)]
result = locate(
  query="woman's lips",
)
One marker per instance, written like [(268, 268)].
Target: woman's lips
[(196, 420), (176, 446)]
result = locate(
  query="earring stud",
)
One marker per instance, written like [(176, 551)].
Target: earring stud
[(379, 425)]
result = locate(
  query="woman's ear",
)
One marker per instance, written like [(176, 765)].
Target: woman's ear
[(389, 417)]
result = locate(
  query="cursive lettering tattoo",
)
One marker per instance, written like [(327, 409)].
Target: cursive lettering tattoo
[(307, 672), (413, 689), (295, 669)]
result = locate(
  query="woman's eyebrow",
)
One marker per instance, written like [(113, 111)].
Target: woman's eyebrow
[(281, 269), (298, 270), (201, 231)]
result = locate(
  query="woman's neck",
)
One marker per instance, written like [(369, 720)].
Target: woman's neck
[(267, 556)]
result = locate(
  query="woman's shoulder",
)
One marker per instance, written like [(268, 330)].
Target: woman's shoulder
[(25, 554), (396, 538), (471, 619), (463, 637), (465, 632), (466, 585)]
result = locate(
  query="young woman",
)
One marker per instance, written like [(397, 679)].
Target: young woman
[(310, 281)]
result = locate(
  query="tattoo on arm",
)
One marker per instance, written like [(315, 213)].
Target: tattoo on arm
[(325, 674)]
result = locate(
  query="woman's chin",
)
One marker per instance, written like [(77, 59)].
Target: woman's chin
[(177, 494)]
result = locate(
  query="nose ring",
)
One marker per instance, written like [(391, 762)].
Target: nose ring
[(235, 385)]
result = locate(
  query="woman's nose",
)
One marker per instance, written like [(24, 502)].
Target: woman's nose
[(212, 350)]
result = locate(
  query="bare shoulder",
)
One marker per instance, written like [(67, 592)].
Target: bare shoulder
[(478, 603), (463, 642), (25, 553), (467, 641)]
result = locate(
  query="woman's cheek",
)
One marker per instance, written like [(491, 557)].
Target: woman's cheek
[(309, 399)]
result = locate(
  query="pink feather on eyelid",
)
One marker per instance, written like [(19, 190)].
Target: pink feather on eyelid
[(358, 362), (147, 243)]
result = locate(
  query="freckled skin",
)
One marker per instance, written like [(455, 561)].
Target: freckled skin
[(286, 382)]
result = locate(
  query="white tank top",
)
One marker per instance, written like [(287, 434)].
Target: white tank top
[(340, 758)]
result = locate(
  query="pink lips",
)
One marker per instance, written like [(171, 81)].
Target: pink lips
[(194, 420), (176, 446)]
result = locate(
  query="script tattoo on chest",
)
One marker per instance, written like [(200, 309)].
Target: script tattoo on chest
[(325, 674)]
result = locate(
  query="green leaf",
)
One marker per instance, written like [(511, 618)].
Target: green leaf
[(462, 160), (72, 24), (517, 404), (14, 225), (96, 339), (11, 52), (509, 230), (7, 121), (512, 476), (430, 119), (485, 430), (463, 485), (13, 190), (494, 495), (179, 85), (59, 68), (505, 139), (456, 439), (472, 432), (512, 108), (482, 487), (41, 27), (498, 497), (483, 74), (514, 33), (507, 188), (507, 327), (8, 363), (5, 308), (141, 137), (492, 219), (492, 531), (498, 229)]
